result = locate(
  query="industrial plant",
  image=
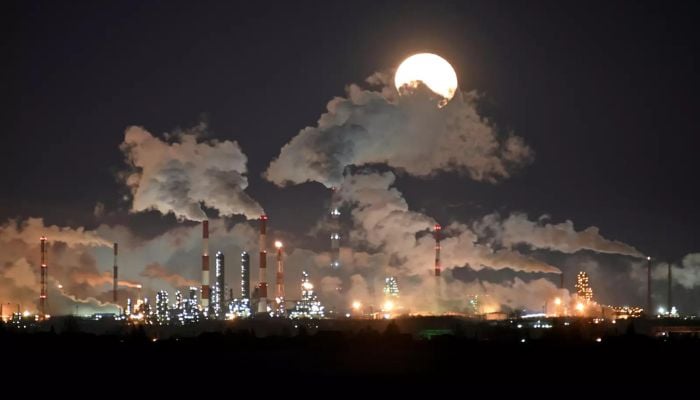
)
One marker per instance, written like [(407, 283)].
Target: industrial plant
[(213, 302)]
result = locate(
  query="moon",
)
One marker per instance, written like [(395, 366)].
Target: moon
[(430, 69)]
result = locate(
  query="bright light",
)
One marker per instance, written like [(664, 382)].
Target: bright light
[(522, 340), (662, 310), (430, 69), (388, 305), (26, 313), (60, 286), (579, 307), (648, 258), (599, 340), (356, 305), (307, 285), (278, 244), (557, 301)]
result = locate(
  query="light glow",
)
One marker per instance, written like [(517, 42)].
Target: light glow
[(430, 69)]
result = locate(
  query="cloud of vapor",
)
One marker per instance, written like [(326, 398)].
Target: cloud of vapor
[(70, 264), (540, 234), (158, 271), (181, 172), (686, 275), (409, 133), (383, 221)]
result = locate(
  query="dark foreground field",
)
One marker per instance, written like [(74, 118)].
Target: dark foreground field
[(366, 354)]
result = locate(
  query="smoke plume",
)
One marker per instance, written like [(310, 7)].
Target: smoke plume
[(540, 234), (409, 133), (156, 270), (178, 174)]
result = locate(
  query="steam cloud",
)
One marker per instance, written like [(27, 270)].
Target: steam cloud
[(409, 133), (562, 237), (156, 270), (178, 174)]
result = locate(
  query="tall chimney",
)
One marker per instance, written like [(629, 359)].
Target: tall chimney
[(262, 286), (335, 234), (115, 275), (280, 280), (436, 233), (245, 275), (670, 289), (206, 293), (650, 311), (42, 296)]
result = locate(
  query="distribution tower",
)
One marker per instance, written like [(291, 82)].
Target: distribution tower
[(335, 230), (279, 288), (262, 285), (43, 294), (115, 275), (206, 293)]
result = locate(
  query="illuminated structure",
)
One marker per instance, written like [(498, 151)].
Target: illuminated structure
[(245, 275), (583, 288), (187, 310), (391, 287), (206, 294), (115, 276), (474, 305), (162, 312), (262, 285), (279, 283), (129, 307), (309, 306), (391, 295), (335, 234), (217, 293), (43, 294), (240, 308)]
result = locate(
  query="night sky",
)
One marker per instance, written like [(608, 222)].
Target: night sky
[(605, 94)]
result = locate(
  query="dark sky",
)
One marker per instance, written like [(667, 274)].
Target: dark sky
[(606, 94)]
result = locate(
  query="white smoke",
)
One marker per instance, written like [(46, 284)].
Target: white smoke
[(178, 174), (540, 234), (409, 133), (383, 221)]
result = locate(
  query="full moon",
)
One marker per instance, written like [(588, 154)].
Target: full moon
[(430, 69)]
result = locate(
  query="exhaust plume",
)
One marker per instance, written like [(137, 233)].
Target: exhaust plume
[(180, 173)]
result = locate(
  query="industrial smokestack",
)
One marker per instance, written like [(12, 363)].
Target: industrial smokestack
[(115, 275), (206, 293), (279, 289), (436, 233), (335, 228), (43, 294), (650, 310), (245, 275), (670, 289), (262, 286), (219, 286)]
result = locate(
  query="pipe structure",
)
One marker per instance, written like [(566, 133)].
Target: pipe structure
[(670, 289), (335, 228), (436, 233), (650, 310), (115, 275), (262, 285), (43, 294), (206, 292), (280, 280)]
